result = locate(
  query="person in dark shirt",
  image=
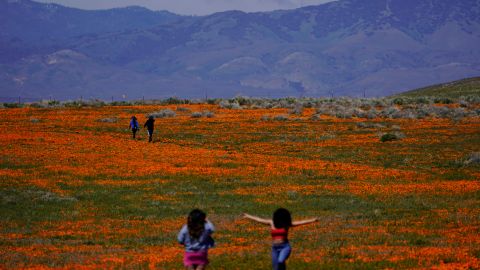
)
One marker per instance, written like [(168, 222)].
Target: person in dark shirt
[(150, 126)]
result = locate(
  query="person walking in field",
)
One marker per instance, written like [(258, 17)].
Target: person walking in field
[(150, 124), (196, 236), (280, 224), (134, 126)]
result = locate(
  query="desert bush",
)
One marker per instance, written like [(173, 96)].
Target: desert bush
[(472, 159), (12, 105), (387, 137), (47, 196), (308, 104), (242, 101), (423, 111), (440, 111), (265, 118), (213, 101), (261, 106), (208, 114), (443, 100), (390, 112), (378, 103), (399, 101), (345, 114), (358, 112), (166, 113), (37, 105), (364, 125), (408, 114), (323, 110), (396, 127), (124, 103), (365, 113), (150, 102), (423, 100), (108, 120), (196, 115), (95, 103), (297, 109), (458, 113), (53, 103), (183, 109), (280, 117), (234, 105), (74, 104), (471, 99), (174, 101), (328, 136), (365, 106), (464, 103), (370, 125), (372, 114)]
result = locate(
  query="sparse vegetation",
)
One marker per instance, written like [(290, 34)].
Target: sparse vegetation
[(108, 120), (473, 159), (280, 117), (393, 136), (197, 115), (399, 107), (183, 109), (207, 114), (165, 113)]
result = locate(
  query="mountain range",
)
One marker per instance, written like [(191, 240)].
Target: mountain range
[(342, 48)]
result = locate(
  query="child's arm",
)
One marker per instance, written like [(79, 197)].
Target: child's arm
[(304, 222), (182, 235), (209, 226), (258, 219)]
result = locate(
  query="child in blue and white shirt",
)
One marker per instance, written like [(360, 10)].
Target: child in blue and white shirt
[(197, 239)]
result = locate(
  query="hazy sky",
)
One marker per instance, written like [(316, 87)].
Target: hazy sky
[(191, 7)]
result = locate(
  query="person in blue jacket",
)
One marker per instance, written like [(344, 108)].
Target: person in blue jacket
[(134, 126)]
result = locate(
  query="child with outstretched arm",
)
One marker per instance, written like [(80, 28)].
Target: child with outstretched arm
[(280, 223)]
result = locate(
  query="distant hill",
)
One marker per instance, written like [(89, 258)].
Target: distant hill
[(455, 89), (28, 27), (342, 48)]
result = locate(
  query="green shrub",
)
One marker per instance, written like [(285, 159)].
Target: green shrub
[(52, 103), (12, 105), (387, 137), (175, 101)]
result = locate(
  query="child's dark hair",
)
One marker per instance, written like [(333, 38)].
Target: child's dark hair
[(282, 218), (196, 223)]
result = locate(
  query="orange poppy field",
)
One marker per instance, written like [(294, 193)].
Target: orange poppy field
[(77, 192)]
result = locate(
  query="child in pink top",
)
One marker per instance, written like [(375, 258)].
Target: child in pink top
[(279, 224)]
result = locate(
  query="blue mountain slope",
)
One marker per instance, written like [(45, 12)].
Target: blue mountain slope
[(346, 46), (49, 26)]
